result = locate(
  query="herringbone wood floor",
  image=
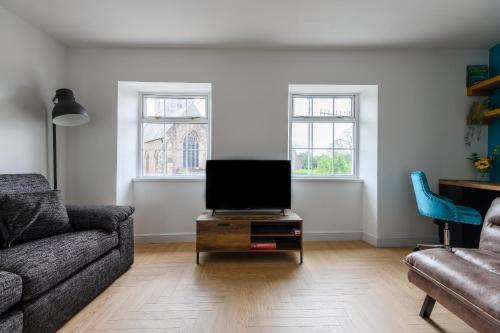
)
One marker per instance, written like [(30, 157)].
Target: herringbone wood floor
[(341, 287)]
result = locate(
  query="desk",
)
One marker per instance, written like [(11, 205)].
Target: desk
[(475, 194)]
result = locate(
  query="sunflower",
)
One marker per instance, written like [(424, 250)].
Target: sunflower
[(486, 163), (483, 164)]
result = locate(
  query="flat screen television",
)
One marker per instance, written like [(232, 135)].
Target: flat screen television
[(248, 184)]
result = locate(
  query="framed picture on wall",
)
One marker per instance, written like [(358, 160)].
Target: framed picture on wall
[(476, 73)]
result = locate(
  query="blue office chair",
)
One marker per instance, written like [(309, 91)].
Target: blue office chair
[(440, 208)]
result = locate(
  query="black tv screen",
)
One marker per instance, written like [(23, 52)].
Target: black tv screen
[(248, 184)]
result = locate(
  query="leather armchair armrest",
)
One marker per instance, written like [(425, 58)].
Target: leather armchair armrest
[(106, 217)]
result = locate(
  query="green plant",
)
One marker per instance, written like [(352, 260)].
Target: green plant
[(475, 119), (321, 165)]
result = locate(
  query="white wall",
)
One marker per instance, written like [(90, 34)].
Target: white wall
[(368, 161), (32, 67), (127, 142), (165, 209), (421, 110)]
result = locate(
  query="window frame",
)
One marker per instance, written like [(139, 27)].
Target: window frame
[(189, 152), (326, 119), (173, 120)]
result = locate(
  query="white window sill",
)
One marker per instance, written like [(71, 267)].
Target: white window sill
[(327, 179), (169, 179), (202, 179)]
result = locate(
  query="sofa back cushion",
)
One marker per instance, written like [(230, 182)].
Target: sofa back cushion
[(29, 216), (15, 217), (23, 183), (490, 235)]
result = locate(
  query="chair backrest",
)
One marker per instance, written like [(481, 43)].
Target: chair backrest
[(422, 193), (490, 235), (23, 183)]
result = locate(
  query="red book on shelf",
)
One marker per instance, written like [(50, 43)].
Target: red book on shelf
[(268, 245)]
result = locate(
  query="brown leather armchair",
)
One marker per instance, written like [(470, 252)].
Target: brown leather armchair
[(465, 281)]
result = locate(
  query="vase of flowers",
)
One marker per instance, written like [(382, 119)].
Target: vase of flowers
[(483, 165)]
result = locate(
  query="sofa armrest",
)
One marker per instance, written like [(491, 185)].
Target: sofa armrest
[(106, 217), (11, 287), (126, 243)]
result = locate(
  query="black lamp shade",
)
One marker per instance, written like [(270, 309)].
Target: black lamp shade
[(67, 112)]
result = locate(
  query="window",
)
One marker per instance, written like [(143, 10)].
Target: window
[(191, 151), (174, 134), (322, 135)]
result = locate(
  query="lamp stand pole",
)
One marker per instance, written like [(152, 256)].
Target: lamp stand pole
[(54, 154), (66, 112)]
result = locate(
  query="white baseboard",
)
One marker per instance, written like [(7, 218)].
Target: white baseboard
[(332, 235), (398, 241), (177, 237), (308, 236), (406, 242), (191, 236), (370, 239)]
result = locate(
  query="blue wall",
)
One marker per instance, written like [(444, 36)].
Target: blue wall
[(494, 128)]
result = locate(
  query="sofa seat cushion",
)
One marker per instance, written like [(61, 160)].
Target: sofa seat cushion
[(10, 290), (44, 263), (461, 276)]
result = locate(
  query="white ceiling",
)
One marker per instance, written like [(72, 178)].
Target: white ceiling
[(267, 23)]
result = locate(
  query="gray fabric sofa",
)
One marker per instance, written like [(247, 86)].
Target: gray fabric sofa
[(44, 282)]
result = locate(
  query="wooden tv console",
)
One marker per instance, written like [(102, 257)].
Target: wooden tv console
[(236, 232)]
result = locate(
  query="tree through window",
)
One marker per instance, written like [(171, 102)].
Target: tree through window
[(323, 135)]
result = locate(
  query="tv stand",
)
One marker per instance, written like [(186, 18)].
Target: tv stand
[(230, 232)]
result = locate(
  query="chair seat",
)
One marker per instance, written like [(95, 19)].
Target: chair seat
[(44, 263), (468, 215), (472, 275), (465, 215)]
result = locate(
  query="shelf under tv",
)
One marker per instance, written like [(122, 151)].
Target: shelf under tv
[(236, 232), (274, 235)]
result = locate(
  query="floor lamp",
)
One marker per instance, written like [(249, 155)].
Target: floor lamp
[(66, 112)]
